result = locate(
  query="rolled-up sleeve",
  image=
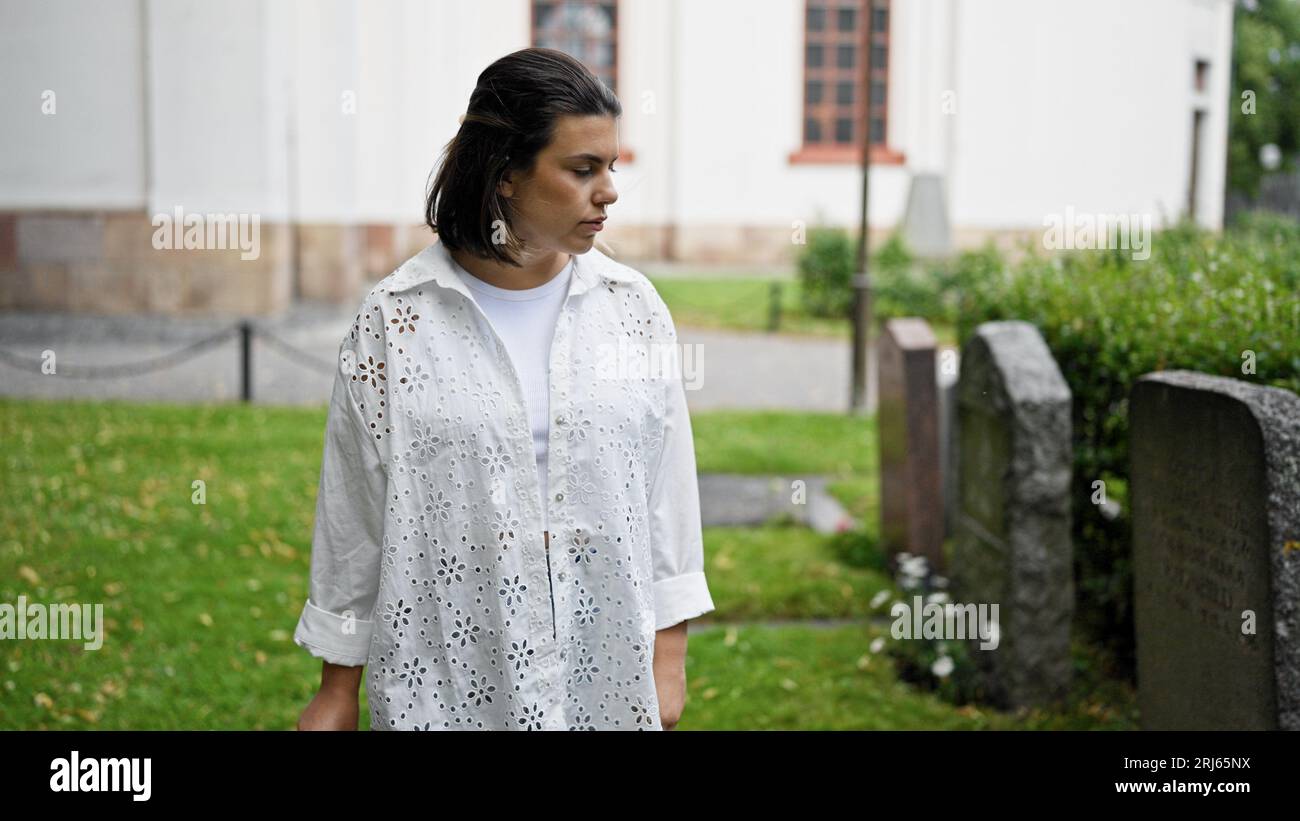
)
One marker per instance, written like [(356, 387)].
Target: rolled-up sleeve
[(337, 620), (676, 531)]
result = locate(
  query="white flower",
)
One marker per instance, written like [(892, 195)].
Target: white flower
[(937, 598), (879, 599), (939, 581), (877, 644), (942, 667), (914, 566)]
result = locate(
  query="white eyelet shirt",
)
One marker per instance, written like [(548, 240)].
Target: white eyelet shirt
[(525, 320), (427, 560)]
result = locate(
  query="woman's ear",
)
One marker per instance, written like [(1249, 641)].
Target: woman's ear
[(507, 185)]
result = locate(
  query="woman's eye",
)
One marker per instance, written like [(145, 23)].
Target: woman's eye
[(586, 172)]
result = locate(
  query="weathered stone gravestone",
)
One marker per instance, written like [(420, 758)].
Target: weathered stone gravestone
[(907, 420), (1215, 494), (1013, 543)]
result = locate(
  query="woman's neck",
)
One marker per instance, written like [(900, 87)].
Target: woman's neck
[(533, 272)]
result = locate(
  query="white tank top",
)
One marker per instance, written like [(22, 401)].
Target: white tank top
[(525, 321)]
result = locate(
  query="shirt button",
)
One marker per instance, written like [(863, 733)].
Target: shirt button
[(559, 497), (559, 420), (563, 575)]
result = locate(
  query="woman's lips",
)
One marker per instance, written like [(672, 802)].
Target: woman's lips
[(595, 226)]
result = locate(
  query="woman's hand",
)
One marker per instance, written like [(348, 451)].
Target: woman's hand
[(670, 685), (670, 673), (331, 710), (336, 705)]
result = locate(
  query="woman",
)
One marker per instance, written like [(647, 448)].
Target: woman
[(501, 393)]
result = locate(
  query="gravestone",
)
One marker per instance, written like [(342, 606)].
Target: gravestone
[(1013, 543), (925, 219), (907, 421), (1215, 498)]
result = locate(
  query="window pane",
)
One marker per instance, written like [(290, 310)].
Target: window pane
[(542, 14), (879, 58), (878, 94), (846, 19), (877, 130), (844, 93), (813, 91), (843, 130), (813, 56), (812, 131), (597, 21), (581, 28), (844, 56), (880, 20), (816, 18)]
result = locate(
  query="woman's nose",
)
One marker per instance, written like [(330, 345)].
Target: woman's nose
[(607, 195)]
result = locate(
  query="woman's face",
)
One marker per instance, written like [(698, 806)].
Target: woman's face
[(571, 181)]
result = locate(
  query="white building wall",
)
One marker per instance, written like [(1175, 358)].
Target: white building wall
[(1210, 34), (741, 88), (213, 130), (1085, 105), (90, 153), (1081, 104), (417, 66), (922, 105)]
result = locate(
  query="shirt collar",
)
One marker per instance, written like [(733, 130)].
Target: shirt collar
[(434, 264)]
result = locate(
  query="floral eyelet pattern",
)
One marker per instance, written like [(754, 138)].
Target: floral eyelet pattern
[(428, 541)]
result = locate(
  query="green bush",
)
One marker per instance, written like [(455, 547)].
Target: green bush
[(826, 267), (900, 284), (1200, 302), (858, 548)]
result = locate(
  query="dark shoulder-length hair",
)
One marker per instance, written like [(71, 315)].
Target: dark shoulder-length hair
[(511, 117)]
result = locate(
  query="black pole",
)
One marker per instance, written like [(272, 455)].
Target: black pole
[(862, 278), (246, 356), (774, 307)]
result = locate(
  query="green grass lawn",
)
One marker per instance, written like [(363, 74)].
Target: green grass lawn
[(811, 678), (201, 600), (784, 442), (745, 304)]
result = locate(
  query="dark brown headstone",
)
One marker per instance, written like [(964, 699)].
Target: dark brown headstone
[(911, 489)]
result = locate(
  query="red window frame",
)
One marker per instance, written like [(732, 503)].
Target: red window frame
[(828, 111)]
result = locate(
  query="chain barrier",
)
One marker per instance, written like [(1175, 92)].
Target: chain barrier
[(120, 370), (245, 330), (295, 353)]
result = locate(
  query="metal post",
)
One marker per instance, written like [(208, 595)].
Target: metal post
[(246, 360), (774, 307), (862, 280)]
